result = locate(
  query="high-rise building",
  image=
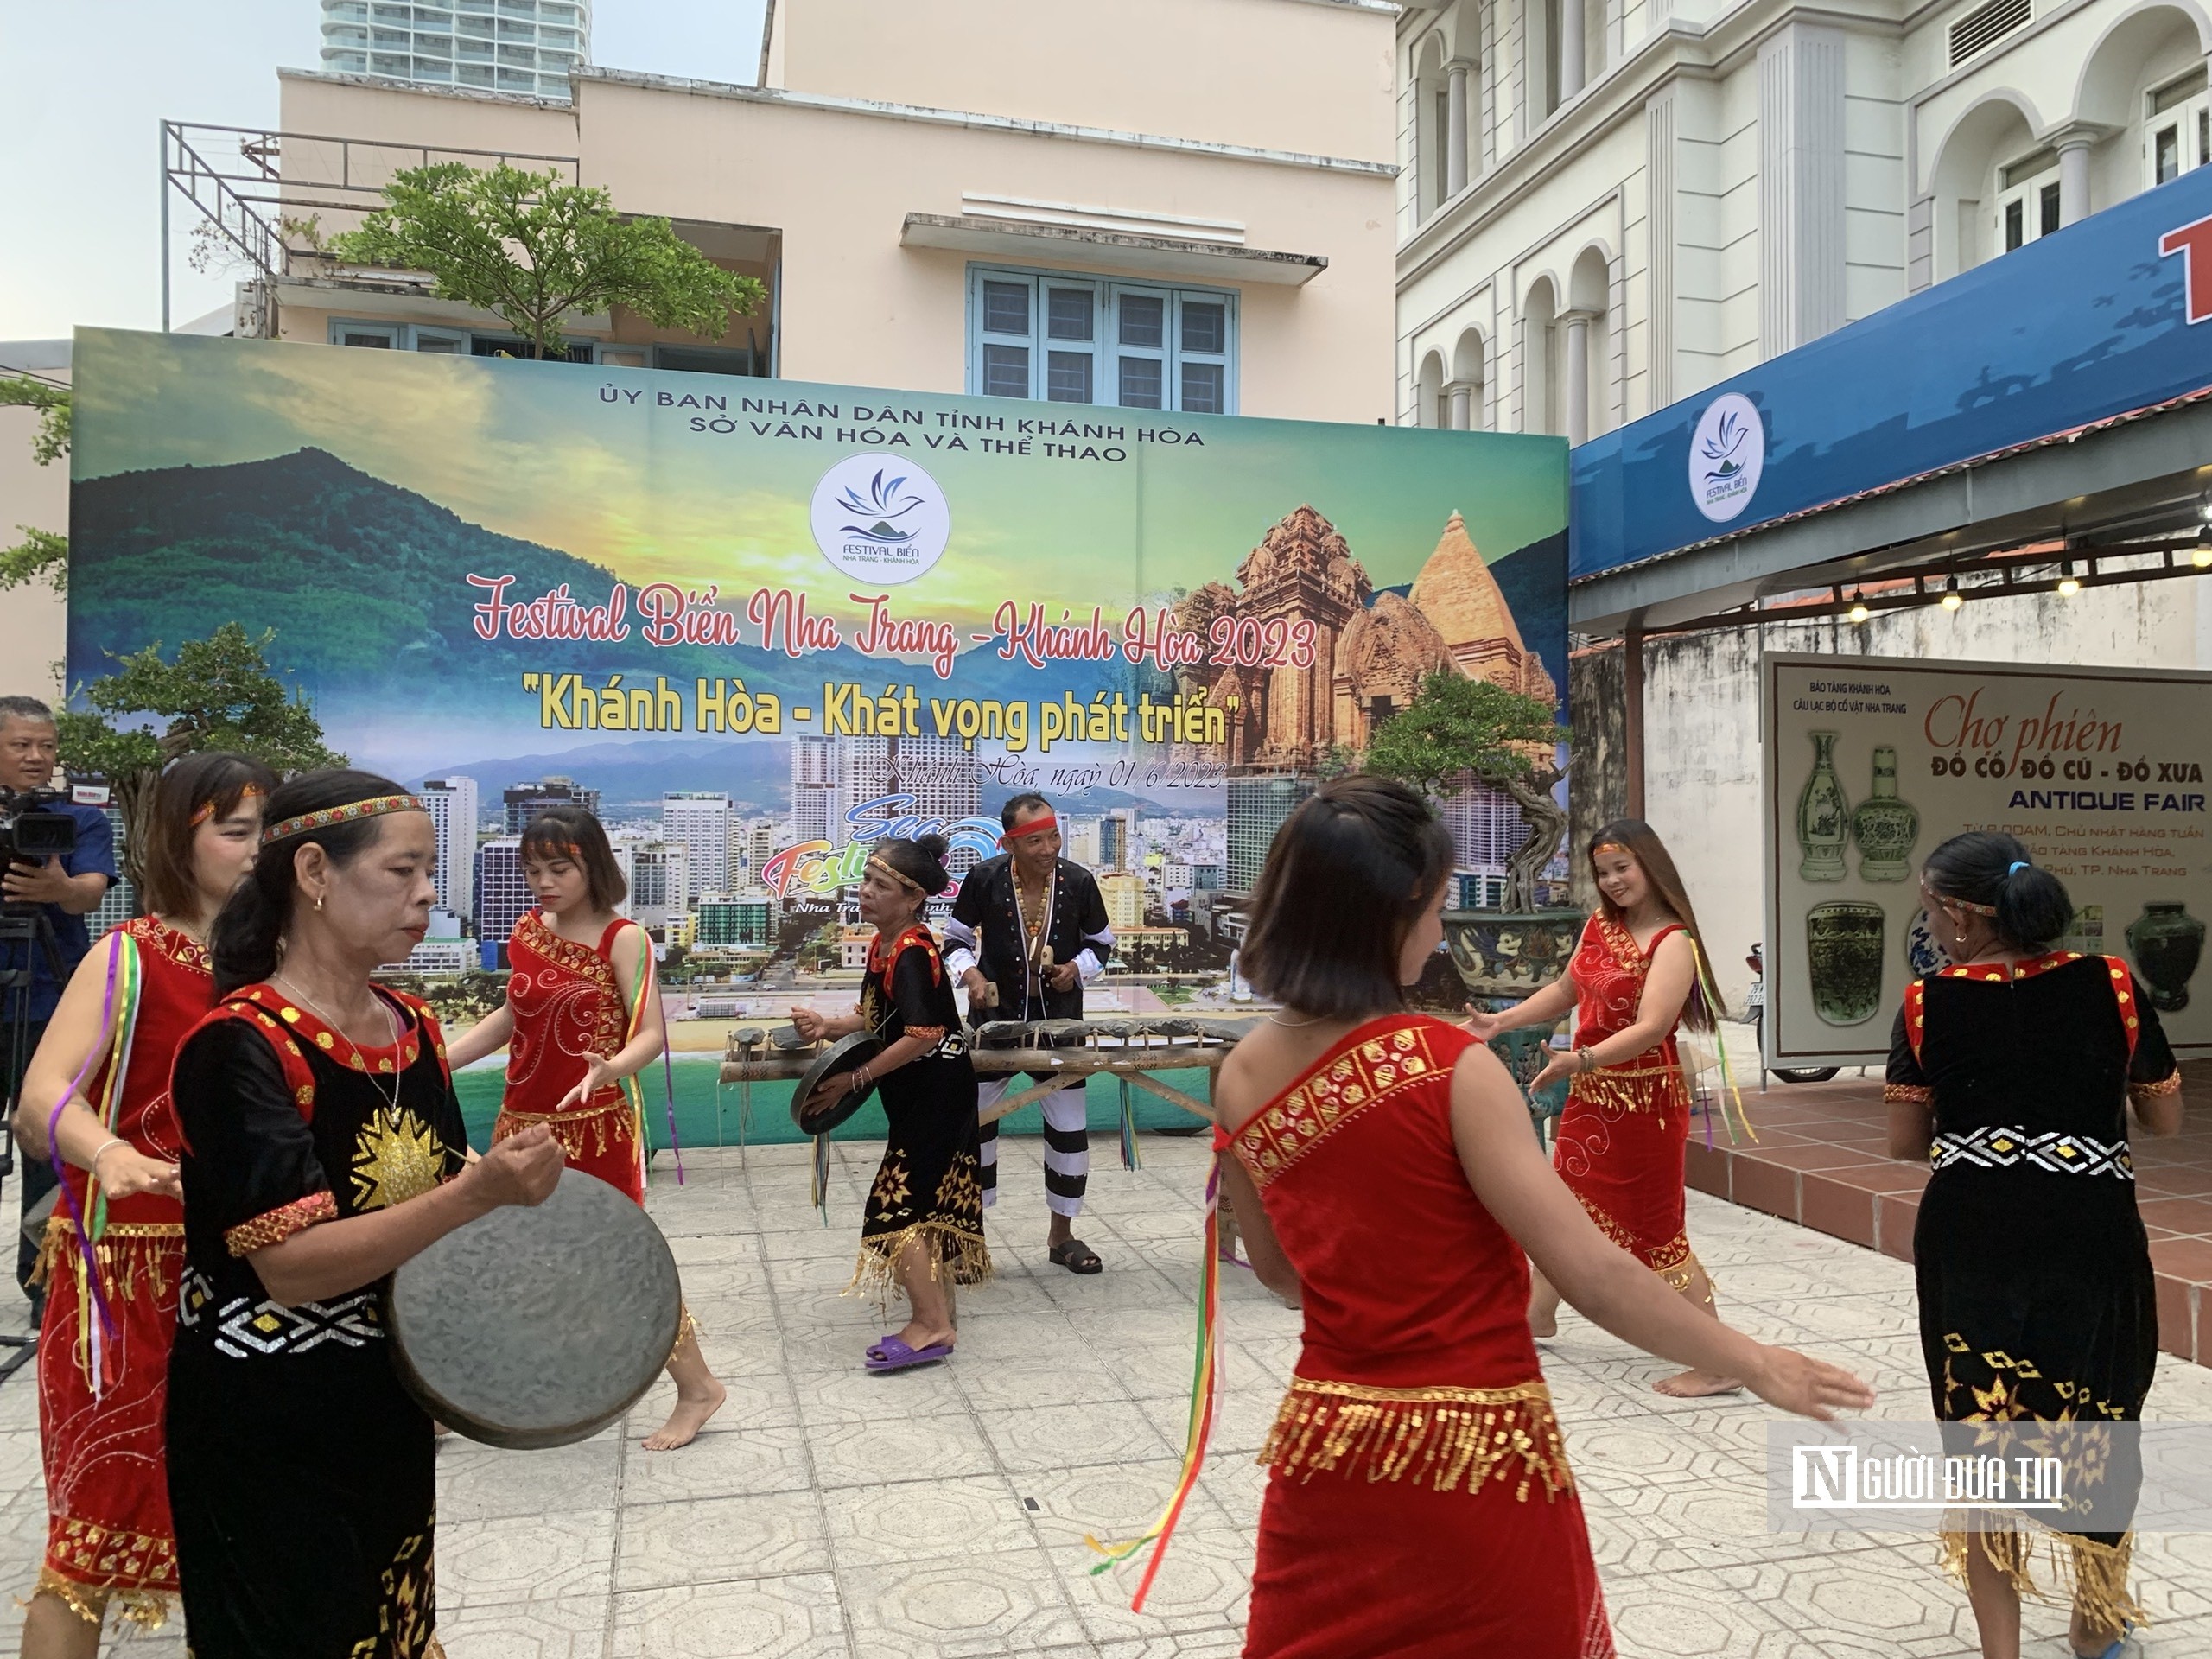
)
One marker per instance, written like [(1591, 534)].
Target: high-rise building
[(814, 788), (516, 46), (940, 774), (501, 896), (1117, 838), (1079, 841), (1124, 897), (753, 841), (730, 920), (701, 820), (1257, 807), (657, 873), (1487, 827), (452, 802), (524, 802)]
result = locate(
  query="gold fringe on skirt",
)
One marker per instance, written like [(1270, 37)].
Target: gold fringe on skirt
[(955, 1254), (149, 1609), (2093, 1575), (1437, 1437)]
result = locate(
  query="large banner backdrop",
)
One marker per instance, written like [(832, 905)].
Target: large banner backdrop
[(850, 612), (1873, 762)]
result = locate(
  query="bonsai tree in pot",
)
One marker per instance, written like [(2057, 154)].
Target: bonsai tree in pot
[(1458, 730)]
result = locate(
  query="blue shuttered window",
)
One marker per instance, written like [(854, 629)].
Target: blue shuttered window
[(1080, 340)]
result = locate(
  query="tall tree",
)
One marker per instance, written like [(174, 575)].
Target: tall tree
[(1458, 730), (41, 556), (218, 694), (537, 249)]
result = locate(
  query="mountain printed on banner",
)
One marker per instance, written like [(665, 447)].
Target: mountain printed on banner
[(366, 583)]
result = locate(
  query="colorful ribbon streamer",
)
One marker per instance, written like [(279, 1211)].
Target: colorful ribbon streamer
[(1130, 1159), (1705, 992), (118, 1023), (1202, 1390)]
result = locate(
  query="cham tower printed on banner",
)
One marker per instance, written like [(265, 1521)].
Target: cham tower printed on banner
[(1372, 649)]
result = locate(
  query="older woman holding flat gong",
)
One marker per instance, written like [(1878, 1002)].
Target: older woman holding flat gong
[(322, 1148)]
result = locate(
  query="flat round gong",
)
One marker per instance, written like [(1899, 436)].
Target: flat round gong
[(537, 1327), (846, 1055)]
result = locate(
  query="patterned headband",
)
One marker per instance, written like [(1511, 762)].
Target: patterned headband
[(250, 792), (1609, 847), (883, 866), (352, 812), (1035, 827)]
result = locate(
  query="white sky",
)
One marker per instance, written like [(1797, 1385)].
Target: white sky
[(84, 84)]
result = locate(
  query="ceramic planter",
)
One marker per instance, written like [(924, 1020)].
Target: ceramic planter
[(2167, 943)]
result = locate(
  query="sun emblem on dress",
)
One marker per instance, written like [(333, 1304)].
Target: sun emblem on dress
[(394, 1161)]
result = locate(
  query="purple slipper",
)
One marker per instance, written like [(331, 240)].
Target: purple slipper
[(892, 1355)]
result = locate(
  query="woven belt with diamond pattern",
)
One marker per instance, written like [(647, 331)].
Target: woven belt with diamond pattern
[(2008, 1149)]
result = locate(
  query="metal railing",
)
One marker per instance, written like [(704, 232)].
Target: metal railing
[(245, 186)]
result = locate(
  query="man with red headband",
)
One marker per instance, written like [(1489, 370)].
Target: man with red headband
[(1027, 931)]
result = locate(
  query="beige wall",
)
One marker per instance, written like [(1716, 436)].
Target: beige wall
[(1282, 74), (31, 619), (859, 308)]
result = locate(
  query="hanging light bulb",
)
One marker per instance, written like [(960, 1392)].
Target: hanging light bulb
[(1859, 613), (2201, 554), (1952, 598), (2067, 585)]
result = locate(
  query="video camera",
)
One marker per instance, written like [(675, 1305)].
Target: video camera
[(31, 831)]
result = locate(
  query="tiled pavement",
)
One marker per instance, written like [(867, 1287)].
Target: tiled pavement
[(831, 1515), (1820, 1160)]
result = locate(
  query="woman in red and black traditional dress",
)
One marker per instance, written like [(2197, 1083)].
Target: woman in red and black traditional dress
[(321, 1148), (1619, 1143), (98, 1092), (2016, 1072), (924, 1224), (1419, 1504), (583, 1016)]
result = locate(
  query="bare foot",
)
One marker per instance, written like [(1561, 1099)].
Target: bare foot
[(1696, 1385), (684, 1423), (1540, 1329)]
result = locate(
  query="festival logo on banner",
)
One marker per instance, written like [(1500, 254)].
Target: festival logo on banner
[(758, 625), (880, 517), (1727, 455)]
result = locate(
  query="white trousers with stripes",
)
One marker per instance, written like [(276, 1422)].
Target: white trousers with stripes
[(1067, 1144)]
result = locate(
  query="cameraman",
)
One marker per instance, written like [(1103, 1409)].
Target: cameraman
[(65, 891)]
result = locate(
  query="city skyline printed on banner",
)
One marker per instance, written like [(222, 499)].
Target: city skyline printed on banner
[(1173, 628)]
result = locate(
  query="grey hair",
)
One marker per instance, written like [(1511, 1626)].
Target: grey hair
[(24, 709)]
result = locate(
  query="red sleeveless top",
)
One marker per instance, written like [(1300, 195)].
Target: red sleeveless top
[(177, 989), (568, 1007), (1417, 1358)]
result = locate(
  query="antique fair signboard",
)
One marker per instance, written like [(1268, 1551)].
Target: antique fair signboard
[(1872, 762)]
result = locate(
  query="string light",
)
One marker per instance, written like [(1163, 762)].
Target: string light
[(1952, 598), (2068, 586)]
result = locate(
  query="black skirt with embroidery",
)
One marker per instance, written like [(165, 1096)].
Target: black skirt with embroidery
[(2036, 1297), (302, 1475), (927, 1186)]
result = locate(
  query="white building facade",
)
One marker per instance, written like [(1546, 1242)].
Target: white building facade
[(453, 805), (527, 47), (701, 821), (1606, 205)]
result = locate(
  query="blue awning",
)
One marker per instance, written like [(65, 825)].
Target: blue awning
[(2097, 321)]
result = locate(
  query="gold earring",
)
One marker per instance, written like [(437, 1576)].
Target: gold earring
[(318, 904)]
